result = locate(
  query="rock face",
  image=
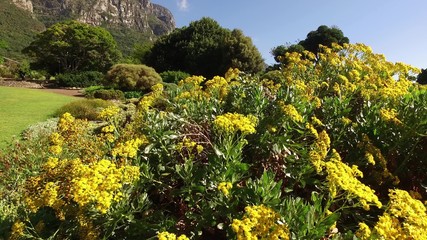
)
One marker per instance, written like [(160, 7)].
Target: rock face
[(140, 15), (24, 4)]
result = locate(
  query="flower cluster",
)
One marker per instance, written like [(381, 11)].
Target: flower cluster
[(129, 149), (219, 85), (260, 222), (341, 176), (66, 181), (108, 113), (319, 150), (389, 115), (233, 122), (225, 187), (171, 236), (56, 140), (189, 145), (405, 218), (148, 100), (291, 112)]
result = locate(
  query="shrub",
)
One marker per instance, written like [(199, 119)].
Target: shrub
[(173, 76), (133, 94), (84, 109), (89, 91), (79, 79), (132, 77), (109, 94)]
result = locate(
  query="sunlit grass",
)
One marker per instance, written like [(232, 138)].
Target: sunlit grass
[(20, 107)]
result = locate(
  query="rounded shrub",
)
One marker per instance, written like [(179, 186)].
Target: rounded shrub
[(79, 79), (109, 94), (173, 76), (84, 109), (132, 77)]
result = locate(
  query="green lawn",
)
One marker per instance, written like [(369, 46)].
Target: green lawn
[(21, 107)]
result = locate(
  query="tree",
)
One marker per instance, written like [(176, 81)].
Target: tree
[(422, 77), (205, 48), (73, 46), (324, 35)]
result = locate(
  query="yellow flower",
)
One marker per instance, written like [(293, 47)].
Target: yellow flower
[(405, 218), (55, 149), (233, 122), (171, 236), (260, 222), (199, 149), (109, 112), (389, 115), (129, 149), (341, 176), (108, 129), (225, 187), (17, 230), (291, 112), (364, 232)]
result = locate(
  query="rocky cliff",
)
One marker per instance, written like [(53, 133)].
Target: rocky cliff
[(140, 15)]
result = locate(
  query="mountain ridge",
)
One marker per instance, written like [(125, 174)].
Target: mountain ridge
[(129, 21)]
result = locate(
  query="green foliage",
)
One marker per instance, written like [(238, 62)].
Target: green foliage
[(73, 46), (313, 149), (132, 77), (324, 35), (205, 48), (84, 109), (133, 94), (173, 76), (17, 30), (422, 77), (109, 94), (79, 79), (132, 43)]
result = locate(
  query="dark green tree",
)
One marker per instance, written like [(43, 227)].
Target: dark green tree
[(422, 77), (73, 46), (324, 35), (205, 48)]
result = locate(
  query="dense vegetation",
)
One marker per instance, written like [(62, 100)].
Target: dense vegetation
[(17, 30), (324, 35), (205, 48), (327, 149), (72, 46)]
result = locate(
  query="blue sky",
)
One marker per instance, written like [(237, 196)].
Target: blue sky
[(395, 28)]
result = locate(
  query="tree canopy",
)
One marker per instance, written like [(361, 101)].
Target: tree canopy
[(324, 35), (205, 48), (73, 46), (422, 77)]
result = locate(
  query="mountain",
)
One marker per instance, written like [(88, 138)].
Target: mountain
[(129, 21), (17, 29)]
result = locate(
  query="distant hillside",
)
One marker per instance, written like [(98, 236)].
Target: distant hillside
[(129, 21), (17, 29)]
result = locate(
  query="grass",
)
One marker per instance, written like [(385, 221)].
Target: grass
[(21, 107)]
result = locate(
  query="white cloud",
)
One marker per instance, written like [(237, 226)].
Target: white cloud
[(182, 4)]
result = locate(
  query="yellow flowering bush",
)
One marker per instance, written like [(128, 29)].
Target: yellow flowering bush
[(231, 123), (321, 141), (128, 149), (260, 222), (65, 182), (405, 218)]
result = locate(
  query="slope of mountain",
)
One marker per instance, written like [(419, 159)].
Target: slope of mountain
[(129, 21)]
